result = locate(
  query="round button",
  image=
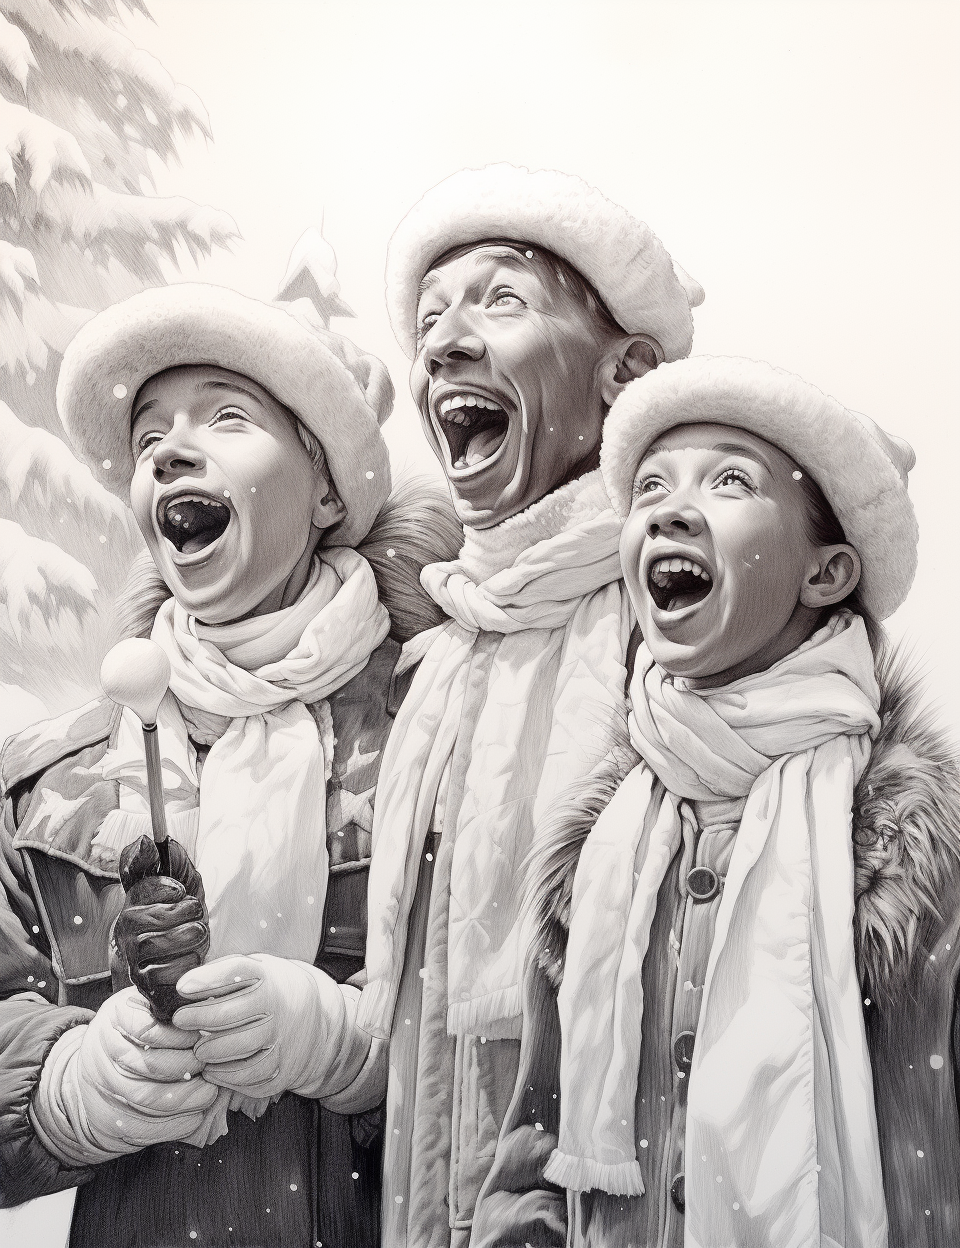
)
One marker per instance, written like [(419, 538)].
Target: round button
[(683, 1050), (676, 1193), (703, 883)]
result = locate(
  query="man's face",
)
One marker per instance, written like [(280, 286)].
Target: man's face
[(715, 550), (507, 381), (223, 490)]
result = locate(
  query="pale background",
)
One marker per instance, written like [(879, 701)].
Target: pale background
[(798, 158)]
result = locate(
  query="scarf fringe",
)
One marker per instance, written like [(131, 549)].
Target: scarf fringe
[(495, 1009), (583, 1174)]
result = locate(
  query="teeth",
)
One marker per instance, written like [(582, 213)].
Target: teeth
[(468, 400), (664, 566)]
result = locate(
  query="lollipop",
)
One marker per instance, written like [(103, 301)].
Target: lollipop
[(136, 674)]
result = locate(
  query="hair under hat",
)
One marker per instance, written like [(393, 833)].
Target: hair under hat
[(861, 470), (339, 393), (618, 254)]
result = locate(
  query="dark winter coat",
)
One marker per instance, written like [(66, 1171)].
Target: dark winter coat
[(59, 896), (907, 859)]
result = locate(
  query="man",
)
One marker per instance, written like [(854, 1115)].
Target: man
[(527, 301)]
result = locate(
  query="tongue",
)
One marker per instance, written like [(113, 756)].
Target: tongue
[(482, 445)]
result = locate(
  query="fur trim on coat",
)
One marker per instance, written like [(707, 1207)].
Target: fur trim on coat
[(906, 838)]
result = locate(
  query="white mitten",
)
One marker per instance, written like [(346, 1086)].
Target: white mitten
[(270, 1025), (118, 1084)]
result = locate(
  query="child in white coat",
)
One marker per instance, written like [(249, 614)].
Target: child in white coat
[(734, 911)]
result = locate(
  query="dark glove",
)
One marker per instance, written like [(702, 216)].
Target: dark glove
[(162, 931)]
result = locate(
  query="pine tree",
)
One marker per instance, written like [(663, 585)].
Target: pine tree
[(82, 112)]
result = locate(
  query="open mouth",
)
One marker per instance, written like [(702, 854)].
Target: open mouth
[(191, 522), (677, 583), (474, 426)]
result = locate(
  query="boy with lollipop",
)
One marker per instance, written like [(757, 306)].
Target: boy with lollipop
[(247, 439), (740, 998)]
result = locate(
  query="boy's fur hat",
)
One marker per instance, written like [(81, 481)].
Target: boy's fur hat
[(339, 393), (620, 256), (861, 470)]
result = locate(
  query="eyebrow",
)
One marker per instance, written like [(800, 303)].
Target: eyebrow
[(734, 448), (144, 407), (228, 385), (724, 448)]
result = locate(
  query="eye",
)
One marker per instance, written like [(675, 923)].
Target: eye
[(504, 297), (146, 440), (229, 413), (426, 324), (734, 476), (646, 486)]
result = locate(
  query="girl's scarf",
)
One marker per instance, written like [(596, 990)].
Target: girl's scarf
[(513, 697), (254, 819), (781, 1147)]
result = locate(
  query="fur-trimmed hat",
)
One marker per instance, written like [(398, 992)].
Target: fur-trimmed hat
[(340, 394), (619, 255), (861, 470)]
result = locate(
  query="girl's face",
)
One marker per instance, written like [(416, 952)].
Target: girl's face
[(716, 556), (224, 492)]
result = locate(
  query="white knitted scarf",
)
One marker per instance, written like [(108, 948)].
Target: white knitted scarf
[(254, 821), (513, 697), (781, 1147)]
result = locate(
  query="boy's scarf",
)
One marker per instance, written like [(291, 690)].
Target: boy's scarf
[(258, 837), (781, 1147), (525, 681)]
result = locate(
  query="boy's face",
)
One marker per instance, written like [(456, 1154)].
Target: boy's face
[(715, 552), (223, 490), (507, 382)]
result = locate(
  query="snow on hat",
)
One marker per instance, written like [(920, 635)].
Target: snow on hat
[(341, 395), (619, 255), (861, 470)]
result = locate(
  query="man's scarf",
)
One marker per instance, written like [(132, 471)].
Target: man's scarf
[(513, 697), (781, 1146), (254, 821)]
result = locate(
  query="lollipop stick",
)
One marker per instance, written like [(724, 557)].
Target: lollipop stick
[(158, 816)]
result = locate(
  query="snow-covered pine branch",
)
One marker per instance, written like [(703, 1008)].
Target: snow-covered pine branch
[(50, 631), (57, 499)]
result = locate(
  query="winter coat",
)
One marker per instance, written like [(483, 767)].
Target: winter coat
[(906, 834), (59, 896)]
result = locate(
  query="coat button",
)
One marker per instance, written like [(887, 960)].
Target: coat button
[(676, 1193), (703, 884), (683, 1050)]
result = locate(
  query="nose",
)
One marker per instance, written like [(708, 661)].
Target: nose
[(450, 340), (673, 516), (177, 455)]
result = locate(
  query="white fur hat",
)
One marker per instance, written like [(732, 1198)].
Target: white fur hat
[(620, 256), (339, 394), (861, 470)]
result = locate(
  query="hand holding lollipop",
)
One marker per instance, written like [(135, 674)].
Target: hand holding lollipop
[(162, 930)]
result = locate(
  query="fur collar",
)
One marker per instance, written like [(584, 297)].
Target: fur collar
[(906, 838), (488, 551)]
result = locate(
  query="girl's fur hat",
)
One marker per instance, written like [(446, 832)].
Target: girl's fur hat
[(861, 470), (620, 256), (340, 394)]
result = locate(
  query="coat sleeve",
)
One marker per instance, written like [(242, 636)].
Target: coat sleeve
[(517, 1206), (30, 1025)]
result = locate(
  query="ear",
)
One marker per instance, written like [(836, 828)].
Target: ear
[(328, 508), (628, 359), (835, 575)]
